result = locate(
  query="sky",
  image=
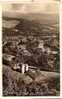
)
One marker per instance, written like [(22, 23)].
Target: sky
[(45, 6)]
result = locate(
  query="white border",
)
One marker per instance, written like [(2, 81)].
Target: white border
[(22, 97), (0, 50), (60, 48)]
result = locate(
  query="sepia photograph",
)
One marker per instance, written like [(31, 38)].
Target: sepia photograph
[(31, 49)]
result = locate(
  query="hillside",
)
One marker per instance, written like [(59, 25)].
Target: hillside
[(36, 43)]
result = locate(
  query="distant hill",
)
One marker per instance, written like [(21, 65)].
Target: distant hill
[(34, 24), (46, 18)]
